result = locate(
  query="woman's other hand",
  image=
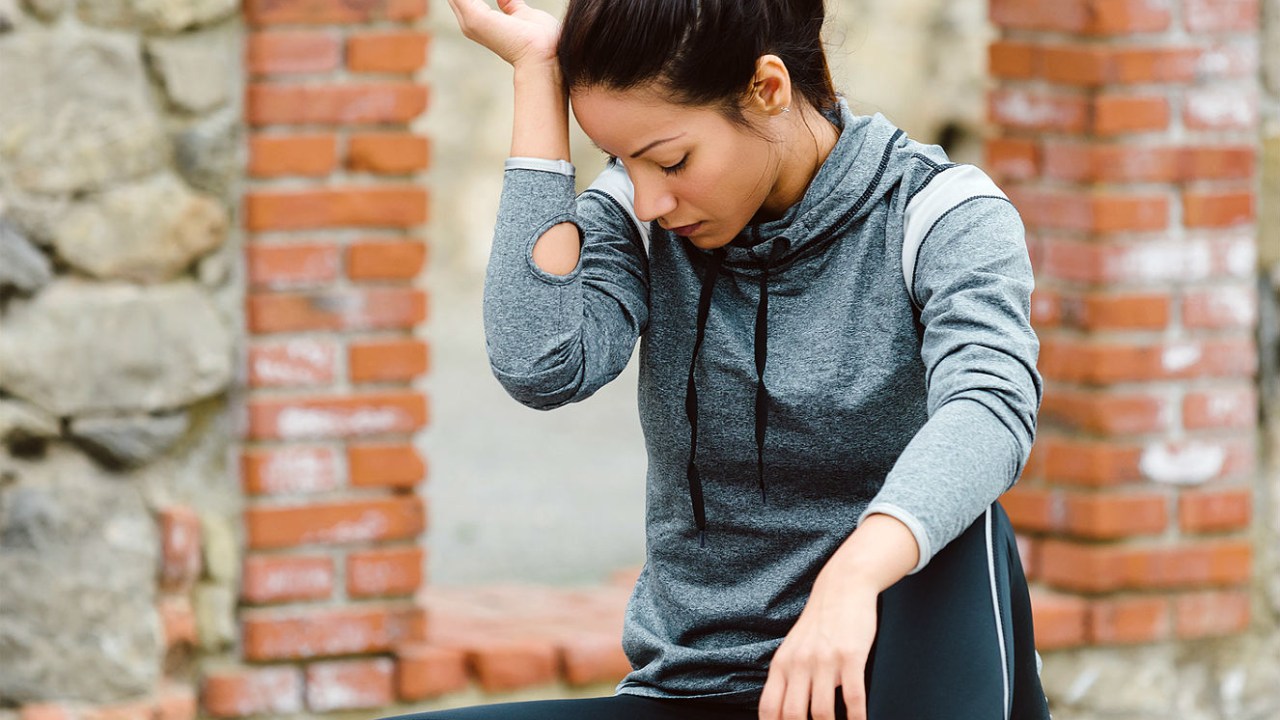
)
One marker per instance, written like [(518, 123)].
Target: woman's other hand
[(515, 32), (828, 646)]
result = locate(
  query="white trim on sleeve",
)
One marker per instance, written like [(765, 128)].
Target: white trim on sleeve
[(944, 192), (560, 167), (923, 546), (615, 183)]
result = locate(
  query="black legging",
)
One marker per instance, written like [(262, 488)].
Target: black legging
[(954, 641)]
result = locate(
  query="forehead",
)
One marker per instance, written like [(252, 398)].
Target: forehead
[(623, 121)]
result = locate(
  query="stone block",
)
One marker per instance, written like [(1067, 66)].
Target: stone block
[(83, 348), (84, 119), (22, 266), (193, 68), (146, 232), (210, 154), (78, 551), (221, 551), (156, 15), (128, 441), (215, 616)]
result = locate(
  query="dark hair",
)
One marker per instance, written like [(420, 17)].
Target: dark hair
[(703, 51)]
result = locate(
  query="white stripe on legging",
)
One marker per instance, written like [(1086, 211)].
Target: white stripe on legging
[(995, 605)]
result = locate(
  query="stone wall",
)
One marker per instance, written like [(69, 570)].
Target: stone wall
[(119, 313)]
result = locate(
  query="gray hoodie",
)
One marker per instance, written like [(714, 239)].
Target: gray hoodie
[(870, 351)]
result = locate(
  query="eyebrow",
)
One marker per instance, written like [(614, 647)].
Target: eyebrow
[(654, 144)]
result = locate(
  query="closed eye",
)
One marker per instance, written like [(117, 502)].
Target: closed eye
[(673, 169)]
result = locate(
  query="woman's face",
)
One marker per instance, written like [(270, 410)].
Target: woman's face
[(694, 172)]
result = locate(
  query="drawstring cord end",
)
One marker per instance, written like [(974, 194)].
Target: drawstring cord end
[(702, 538)]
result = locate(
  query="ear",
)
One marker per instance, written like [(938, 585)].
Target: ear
[(770, 86)]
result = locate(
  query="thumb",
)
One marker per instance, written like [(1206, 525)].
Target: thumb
[(511, 7)]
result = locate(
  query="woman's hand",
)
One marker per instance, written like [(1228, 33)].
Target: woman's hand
[(825, 650), (515, 32), (828, 646)]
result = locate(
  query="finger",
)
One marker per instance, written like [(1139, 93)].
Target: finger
[(822, 704), (795, 705), (854, 691), (771, 698)]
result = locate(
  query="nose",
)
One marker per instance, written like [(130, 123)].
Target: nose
[(652, 201)]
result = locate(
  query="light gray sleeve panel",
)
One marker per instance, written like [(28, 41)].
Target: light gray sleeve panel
[(556, 339), (615, 183), (973, 281)]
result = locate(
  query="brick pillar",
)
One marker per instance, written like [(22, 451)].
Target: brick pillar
[(333, 215), (1126, 133)]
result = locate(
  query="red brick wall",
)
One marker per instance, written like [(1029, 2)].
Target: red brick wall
[(1126, 133), (333, 215)]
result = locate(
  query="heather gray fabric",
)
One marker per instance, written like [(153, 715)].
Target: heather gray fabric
[(867, 412)]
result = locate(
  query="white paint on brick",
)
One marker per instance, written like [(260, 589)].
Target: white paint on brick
[(298, 361), (373, 576), (330, 686), (1024, 109), (280, 581), (1234, 304), (1223, 406), (1222, 107), (1157, 261), (1182, 464), (369, 526), (310, 422), (299, 470), (1242, 256), (1179, 357), (272, 691)]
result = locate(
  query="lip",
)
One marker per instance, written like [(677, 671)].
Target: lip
[(686, 230)]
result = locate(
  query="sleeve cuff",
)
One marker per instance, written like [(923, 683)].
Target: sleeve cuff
[(913, 524), (561, 167)]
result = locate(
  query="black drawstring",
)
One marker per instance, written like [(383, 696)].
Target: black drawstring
[(762, 394), (691, 396)]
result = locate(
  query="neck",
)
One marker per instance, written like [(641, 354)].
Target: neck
[(808, 138)]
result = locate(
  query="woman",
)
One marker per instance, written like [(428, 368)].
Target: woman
[(837, 372)]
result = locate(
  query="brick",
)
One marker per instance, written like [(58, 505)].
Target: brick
[(1229, 58), (1128, 620), (287, 578), (591, 658), (1208, 16), (1120, 114), (386, 260), (1089, 17), (1217, 209), (331, 12), (1011, 158), (511, 664), (1012, 60), (385, 465), (1075, 64), (283, 266), (315, 104), (1113, 311), (1105, 363), (337, 416), (332, 523), (1110, 516), (1033, 509), (178, 621), (1142, 65), (1212, 614), (1108, 413), (1061, 621), (313, 155), (180, 548), (388, 153), (282, 52), (290, 469), (1221, 108), (1108, 568), (1085, 162), (329, 632), (1206, 511), (1038, 110), (1097, 463), (138, 710), (382, 206), (384, 572), (1094, 212), (336, 309), (1224, 162), (424, 671), (1220, 308), (387, 360), (350, 684), (1147, 261), (47, 711), (293, 363), (387, 52), (1220, 408), (252, 691), (1028, 553)]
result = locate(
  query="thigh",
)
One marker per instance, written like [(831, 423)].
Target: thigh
[(618, 707), (946, 646)]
